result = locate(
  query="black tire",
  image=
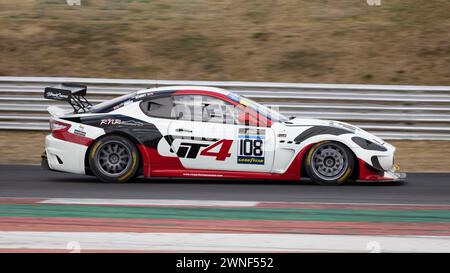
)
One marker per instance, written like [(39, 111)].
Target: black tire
[(329, 163), (113, 158)]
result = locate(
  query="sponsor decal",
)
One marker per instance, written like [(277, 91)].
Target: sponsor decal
[(55, 95), (223, 153), (80, 131), (120, 122), (203, 174), (143, 95), (192, 150), (110, 121), (251, 146), (132, 123), (189, 150), (250, 160)]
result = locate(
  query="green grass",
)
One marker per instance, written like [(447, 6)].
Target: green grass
[(285, 214)]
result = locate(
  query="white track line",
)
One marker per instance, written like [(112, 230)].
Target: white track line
[(200, 203), (226, 242), (144, 202)]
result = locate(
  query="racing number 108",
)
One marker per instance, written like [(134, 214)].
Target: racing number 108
[(251, 147)]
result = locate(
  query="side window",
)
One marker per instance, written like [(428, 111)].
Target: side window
[(159, 107), (199, 108), (204, 108), (187, 107)]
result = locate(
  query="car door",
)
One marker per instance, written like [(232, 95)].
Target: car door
[(207, 134)]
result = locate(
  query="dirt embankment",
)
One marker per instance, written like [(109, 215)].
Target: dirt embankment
[(346, 41)]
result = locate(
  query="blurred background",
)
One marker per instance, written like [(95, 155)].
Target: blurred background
[(302, 41), (347, 41)]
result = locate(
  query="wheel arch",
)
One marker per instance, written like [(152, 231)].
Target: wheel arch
[(355, 173), (123, 134)]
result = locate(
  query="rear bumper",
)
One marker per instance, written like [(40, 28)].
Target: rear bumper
[(63, 156), (44, 163)]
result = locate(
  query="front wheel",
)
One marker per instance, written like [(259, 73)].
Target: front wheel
[(114, 159), (329, 163)]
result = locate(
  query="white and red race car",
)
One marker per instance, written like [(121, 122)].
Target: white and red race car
[(205, 132)]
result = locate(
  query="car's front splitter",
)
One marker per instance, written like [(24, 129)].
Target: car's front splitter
[(368, 173)]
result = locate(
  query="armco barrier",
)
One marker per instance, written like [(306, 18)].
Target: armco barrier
[(390, 111)]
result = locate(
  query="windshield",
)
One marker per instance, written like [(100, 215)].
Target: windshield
[(107, 106), (261, 109)]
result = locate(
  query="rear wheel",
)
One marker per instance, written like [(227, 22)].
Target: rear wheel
[(329, 163), (114, 159)]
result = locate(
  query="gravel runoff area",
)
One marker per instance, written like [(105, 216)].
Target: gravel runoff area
[(22, 147)]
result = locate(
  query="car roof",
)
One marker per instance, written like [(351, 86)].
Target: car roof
[(185, 87)]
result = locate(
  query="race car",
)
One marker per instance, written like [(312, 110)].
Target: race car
[(205, 132)]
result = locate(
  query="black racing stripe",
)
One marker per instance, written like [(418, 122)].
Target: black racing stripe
[(112, 121), (368, 145), (108, 121), (169, 139), (155, 95), (73, 119), (144, 132), (148, 134), (320, 130), (139, 97)]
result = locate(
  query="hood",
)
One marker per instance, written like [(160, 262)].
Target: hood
[(338, 124)]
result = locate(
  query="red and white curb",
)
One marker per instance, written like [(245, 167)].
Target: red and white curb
[(183, 240)]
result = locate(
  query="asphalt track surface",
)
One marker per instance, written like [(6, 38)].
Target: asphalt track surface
[(32, 181)]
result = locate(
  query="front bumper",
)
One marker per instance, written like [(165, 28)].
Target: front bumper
[(386, 176), (394, 176), (368, 173)]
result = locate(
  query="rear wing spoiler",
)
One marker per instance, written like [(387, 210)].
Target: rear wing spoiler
[(74, 94)]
